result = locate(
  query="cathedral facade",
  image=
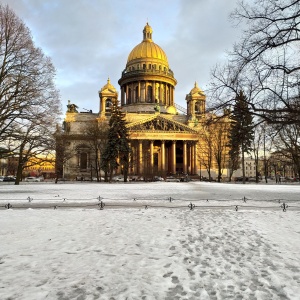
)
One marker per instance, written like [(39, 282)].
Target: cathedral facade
[(164, 137)]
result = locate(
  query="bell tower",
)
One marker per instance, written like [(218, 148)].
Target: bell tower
[(108, 95), (195, 103)]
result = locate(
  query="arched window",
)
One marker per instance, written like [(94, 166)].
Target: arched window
[(108, 104), (198, 107)]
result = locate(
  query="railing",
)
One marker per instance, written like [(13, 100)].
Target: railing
[(182, 109), (168, 73), (147, 203)]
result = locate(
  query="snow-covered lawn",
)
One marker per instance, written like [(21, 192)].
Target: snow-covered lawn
[(164, 252)]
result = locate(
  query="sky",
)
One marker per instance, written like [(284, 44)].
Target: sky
[(89, 40)]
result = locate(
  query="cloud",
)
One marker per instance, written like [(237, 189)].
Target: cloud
[(90, 41)]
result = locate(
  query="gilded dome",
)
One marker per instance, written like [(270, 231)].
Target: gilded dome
[(108, 86), (147, 49), (171, 110), (196, 89)]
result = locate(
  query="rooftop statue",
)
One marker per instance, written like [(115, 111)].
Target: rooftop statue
[(72, 108)]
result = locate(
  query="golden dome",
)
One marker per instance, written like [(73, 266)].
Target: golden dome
[(108, 86), (196, 89), (171, 110), (147, 49)]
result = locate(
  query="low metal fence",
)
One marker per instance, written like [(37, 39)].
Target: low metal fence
[(147, 203)]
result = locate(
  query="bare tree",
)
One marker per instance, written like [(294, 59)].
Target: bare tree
[(287, 143), (264, 63), (32, 138), (63, 153), (257, 147), (218, 128), (205, 155), (96, 134), (29, 101), (221, 147)]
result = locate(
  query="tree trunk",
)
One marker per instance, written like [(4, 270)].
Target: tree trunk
[(266, 171), (219, 173), (19, 171), (230, 174)]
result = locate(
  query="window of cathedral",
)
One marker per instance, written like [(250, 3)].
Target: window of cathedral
[(149, 66), (108, 104), (136, 94), (83, 161), (129, 95), (144, 66), (149, 93)]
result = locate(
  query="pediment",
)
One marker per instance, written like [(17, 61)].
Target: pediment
[(160, 124)]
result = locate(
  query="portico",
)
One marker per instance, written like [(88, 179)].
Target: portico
[(162, 146)]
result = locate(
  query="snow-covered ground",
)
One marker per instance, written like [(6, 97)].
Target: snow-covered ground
[(237, 245)]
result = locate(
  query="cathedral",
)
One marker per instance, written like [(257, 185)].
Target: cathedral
[(164, 137)]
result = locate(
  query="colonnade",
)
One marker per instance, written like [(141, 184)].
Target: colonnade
[(147, 92), (163, 157)]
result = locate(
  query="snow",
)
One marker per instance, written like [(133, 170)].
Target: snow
[(167, 251)]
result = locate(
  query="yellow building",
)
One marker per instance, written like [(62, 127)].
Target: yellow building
[(164, 137), (40, 166)]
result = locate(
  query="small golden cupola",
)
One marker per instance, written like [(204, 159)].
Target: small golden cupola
[(108, 94), (195, 102), (147, 32), (147, 79)]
